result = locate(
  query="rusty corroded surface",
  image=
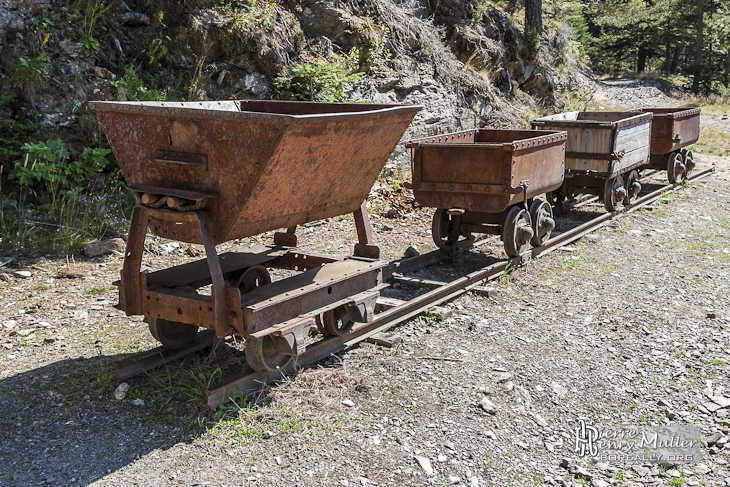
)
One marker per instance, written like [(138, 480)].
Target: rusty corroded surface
[(486, 170), (252, 166), (673, 128)]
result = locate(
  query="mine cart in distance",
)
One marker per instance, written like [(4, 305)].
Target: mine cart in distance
[(485, 182), (672, 129), (602, 154), (210, 172)]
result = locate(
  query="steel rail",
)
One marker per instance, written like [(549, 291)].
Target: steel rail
[(144, 361), (394, 316)]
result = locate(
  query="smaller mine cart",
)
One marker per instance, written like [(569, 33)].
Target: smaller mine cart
[(211, 172), (672, 129), (485, 182), (603, 152)]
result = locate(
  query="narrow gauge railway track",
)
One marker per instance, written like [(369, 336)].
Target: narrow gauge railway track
[(441, 292)]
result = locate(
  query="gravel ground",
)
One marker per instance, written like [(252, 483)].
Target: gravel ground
[(629, 326)]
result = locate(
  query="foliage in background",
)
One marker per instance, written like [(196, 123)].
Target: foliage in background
[(572, 12), (48, 164), (91, 13), (674, 37), (27, 74), (159, 48), (321, 81), (60, 223), (259, 14), (13, 135), (132, 88)]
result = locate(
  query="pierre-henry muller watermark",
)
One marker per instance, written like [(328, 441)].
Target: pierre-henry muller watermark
[(642, 444)]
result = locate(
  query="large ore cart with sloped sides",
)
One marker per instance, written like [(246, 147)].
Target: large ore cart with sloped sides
[(211, 172), (485, 182), (673, 129), (603, 153)]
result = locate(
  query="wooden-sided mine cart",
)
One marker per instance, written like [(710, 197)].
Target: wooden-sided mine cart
[(603, 152), (211, 172)]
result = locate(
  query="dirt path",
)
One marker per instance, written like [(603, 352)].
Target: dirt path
[(629, 326)]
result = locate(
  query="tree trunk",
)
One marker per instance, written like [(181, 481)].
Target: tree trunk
[(699, 45), (727, 69), (675, 60), (668, 49), (641, 60), (533, 22)]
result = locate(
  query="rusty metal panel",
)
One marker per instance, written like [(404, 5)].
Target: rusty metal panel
[(270, 164), (482, 170), (197, 274), (185, 305), (673, 128), (316, 288)]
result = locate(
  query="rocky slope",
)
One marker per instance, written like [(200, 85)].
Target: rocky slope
[(466, 62)]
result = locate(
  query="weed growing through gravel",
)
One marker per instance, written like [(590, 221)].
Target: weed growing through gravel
[(183, 384), (101, 289), (90, 378), (432, 317)]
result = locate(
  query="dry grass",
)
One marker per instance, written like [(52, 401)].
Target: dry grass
[(710, 103), (713, 142)]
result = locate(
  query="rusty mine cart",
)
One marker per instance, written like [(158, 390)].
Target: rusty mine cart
[(672, 129), (211, 172), (603, 153), (485, 182)]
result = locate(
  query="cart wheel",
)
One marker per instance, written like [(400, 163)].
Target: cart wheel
[(675, 167), (252, 278), (633, 187), (172, 334), (689, 162), (543, 223), (517, 232), (613, 193), (441, 229), (263, 356), (336, 322)]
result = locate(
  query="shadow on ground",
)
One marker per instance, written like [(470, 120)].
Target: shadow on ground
[(61, 425)]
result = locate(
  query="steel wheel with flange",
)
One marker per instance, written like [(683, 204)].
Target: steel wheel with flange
[(613, 193), (252, 278), (263, 355), (675, 167), (172, 334), (689, 162), (543, 223), (336, 322), (517, 232), (632, 185), (442, 229)]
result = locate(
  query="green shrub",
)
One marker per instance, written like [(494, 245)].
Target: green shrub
[(29, 74), (43, 163), (322, 81), (159, 49), (132, 88), (91, 11), (47, 163), (13, 135)]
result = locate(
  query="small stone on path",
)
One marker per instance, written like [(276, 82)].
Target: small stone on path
[(425, 464)]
